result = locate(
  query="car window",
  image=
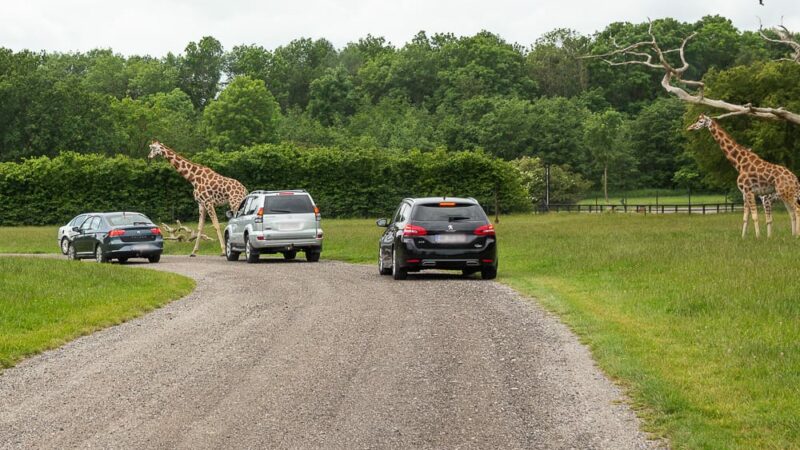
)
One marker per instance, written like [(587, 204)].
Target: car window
[(86, 224), (243, 206), (120, 220), (436, 212), (404, 212), (288, 204), (252, 206), (396, 217), (77, 221)]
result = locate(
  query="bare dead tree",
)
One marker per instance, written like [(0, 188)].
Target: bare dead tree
[(785, 37), (649, 54)]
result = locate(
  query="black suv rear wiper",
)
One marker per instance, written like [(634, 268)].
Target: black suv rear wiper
[(455, 218)]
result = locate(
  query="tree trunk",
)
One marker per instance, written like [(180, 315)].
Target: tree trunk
[(605, 182)]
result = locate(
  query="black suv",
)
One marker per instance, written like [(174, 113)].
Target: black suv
[(438, 233)]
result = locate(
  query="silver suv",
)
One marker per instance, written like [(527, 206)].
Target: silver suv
[(274, 222)]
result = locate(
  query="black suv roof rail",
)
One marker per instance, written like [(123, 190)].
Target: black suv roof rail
[(300, 191)]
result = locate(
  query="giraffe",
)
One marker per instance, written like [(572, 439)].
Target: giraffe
[(210, 188), (756, 177)]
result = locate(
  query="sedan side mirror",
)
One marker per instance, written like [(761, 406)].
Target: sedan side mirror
[(76, 229), (229, 214), (382, 223)]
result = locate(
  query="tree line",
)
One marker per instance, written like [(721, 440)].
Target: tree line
[(540, 102)]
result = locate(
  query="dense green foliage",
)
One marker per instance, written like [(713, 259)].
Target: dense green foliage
[(436, 91), (352, 182)]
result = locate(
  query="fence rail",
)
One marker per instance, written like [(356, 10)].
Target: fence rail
[(700, 208)]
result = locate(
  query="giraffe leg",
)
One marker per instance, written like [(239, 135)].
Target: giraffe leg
[(792, 209), (199, 229), (766, 201), (745, 217), (213, 214), (751, 199)]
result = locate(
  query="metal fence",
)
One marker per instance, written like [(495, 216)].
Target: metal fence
[(700, 208)]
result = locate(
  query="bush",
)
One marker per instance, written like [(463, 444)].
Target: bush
[(344, 183)]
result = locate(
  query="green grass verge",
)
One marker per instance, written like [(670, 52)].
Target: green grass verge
[(45, 302), (651, 196), (701, 327)]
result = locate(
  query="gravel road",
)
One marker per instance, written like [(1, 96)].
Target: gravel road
[(320, 355)]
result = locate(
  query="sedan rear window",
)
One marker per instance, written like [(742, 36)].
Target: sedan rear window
[(436, 213), (118, 220), (288, 204)]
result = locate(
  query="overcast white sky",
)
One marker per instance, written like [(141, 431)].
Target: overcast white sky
[(156, 27)]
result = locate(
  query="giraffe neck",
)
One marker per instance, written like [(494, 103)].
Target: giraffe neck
[(735, 153), (185, 168)]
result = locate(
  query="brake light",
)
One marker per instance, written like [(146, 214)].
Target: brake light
[(447, 203), (156, 231), (414, 230), (115, 233), (260, 212), (485, 230), (286, 193), (412, 261)]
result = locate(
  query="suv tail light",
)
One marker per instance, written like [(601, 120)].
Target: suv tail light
[(156, 231), (259, 216), (414, 230), (485, 230), (316, 213), (115, 233)]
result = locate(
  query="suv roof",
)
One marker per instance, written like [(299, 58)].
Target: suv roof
[(441, 199), (293, 191)]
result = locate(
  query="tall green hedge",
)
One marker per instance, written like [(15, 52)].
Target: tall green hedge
[(344, 183)]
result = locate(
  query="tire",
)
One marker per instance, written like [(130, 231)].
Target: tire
[(250, 253), (381, 269), (122, 260), (398, 273), (489, 273), (230, 253), (154, 258), (312, 256), (71, 255), (64, 245), (290, 255), (99, 256)]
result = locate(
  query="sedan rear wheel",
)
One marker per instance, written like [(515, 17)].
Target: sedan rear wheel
[(398, 273), (99, 256), (71, 255)]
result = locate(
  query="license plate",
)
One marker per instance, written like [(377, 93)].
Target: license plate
[(290, 226), (140, 247), (450, 239)]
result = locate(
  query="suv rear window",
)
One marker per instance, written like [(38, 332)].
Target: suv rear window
[(117, 220), (435, 213), (288, 204)]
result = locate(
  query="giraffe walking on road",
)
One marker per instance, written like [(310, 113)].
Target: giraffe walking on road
[(210, 189), (756, 177)]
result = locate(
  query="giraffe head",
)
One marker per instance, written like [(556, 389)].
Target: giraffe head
[(156, 148), (703, 121)]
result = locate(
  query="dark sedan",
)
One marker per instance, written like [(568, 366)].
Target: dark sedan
[(117, 235), (438, 233)]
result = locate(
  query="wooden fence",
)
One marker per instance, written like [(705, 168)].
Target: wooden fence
[(700, 208)]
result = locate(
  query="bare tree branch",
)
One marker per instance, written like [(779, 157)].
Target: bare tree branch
[(785, 37), (645, 52)]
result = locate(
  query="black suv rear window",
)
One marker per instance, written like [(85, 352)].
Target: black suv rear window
[(436, 213), (288, 204), (117, 220)]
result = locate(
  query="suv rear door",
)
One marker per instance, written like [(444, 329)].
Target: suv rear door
[(290, 215)]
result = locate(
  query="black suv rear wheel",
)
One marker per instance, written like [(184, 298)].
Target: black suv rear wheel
[(382, 269), (489, 273)]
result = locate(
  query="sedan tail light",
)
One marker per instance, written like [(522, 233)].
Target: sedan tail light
[(485, 230), (156, 231), (115, 233), (414, 230)]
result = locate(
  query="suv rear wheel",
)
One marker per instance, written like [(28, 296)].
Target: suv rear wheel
[(230, 253), (398, 273), (312, 255), (489, 273), (250, 253), (382, 269)]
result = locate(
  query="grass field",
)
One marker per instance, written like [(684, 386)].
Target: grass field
[(700, 327), (45, 302), (652, 197)]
